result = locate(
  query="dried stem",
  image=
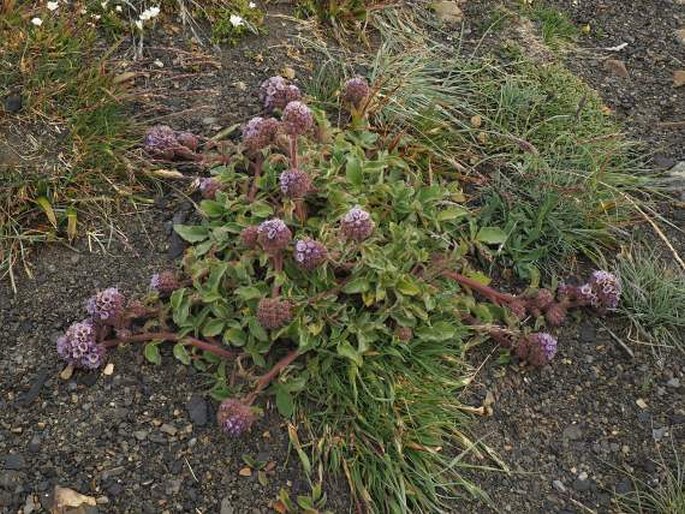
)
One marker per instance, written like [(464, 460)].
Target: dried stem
[(293, 152), (258, 162), (170, 336)]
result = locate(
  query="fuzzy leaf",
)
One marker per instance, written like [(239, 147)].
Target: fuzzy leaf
[(491, 236), (358, 285), (408, 287), (235, 337), (284, 402), (345, 349), (353, 171), (213, 327), (192, 234), (152, 354), (181, 353)]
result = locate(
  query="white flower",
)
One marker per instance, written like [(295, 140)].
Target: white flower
[(149, 13), (37, 22), (83, 10), (118, 8), (52, 6), (236, 20), (252, 5), (139, 24), (96, 17), (104, 4)]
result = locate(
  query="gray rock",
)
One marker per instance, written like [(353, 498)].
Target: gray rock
[(659, 433), (197, 410), (581, 485), (559, 486), (14, 461), (168, 429), (13, 103), (226, 507), (141, 435), (34, 444), (572, 433), (674, 383)]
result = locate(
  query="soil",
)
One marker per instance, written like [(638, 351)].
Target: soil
[(143, 439)]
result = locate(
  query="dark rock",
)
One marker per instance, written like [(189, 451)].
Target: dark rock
[(37, 385), (14, 461), (13, 103), (572, 433), (34, 444), (88, 379), (115, 489), (624, 487), (587, 332), (581, 485), (197, 410)]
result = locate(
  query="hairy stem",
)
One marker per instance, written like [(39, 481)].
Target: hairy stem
[(487, 291), (258, 162), (269, 376), (171, 337), (293, 152)]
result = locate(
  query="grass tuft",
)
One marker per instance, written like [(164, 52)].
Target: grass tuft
[(653, 298)]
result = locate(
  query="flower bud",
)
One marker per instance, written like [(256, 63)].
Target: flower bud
[(234, 417), (273, 235), (164, 283), (357, 224), (274, 313), (209, 186), (107, 305), (355, 91), (297, 118), (276, 93), (248, 236), (309, 254), (295, 183)]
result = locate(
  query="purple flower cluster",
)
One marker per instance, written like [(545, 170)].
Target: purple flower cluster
[(602, 291), (79, 348), (355, 91), (309, 253), (273, 235), (163, 142), (297, 118), (537, 349), (234, 417), (295, 183), (258, 133), (276, 92), (209, 186), (249, 236), (357, 224), (164, 283), (106, 306)]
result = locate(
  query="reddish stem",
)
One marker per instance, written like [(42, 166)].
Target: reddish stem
[(300, 211), (170, 336), (293, 152), (490, 293), (257, 174), (268, 377)]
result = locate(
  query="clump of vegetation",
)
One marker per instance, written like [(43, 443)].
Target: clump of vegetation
[(231, 21), (342, 269), (653, 297)]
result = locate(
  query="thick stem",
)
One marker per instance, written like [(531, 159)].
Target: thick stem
[(170, 336), (268, 377), (293, 152), (300, 211), (258, 162), (490, 293)]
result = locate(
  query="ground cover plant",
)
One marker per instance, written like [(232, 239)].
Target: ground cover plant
[(332, 272)]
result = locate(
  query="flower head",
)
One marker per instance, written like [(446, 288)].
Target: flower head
[(537, 349), (543, 298), (79, 348), (357, 224), (309, 253), (107, 305), (187, 139), (295, 183), (234, 417), (275, 92), (273, 235), (249, 235), (297, 118), (355, 91), (160, 142), (258, 133), (209, 187), (236, 20), (274, 313), (36, 21), (164, 283), (52, 6), (606, 290)]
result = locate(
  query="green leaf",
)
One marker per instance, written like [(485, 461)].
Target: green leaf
[(452, 213), (358, 285), (212, 208), (213, 327), (45, 204), (491, 236), (284, 402), (261, 210), (407, 286), (257, 330), (152, 354), (248, 293), (353, 171), (192, 234), (439, 331), (235, 337), (345, 349), (181, 353)]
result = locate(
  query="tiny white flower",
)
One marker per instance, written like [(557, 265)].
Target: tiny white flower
[(154, 11), (252, 5), (83, 10), (104, 4), (52, 6), (139, 24), (96, 17), (118, 8), (37, 22), (236, 20)]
